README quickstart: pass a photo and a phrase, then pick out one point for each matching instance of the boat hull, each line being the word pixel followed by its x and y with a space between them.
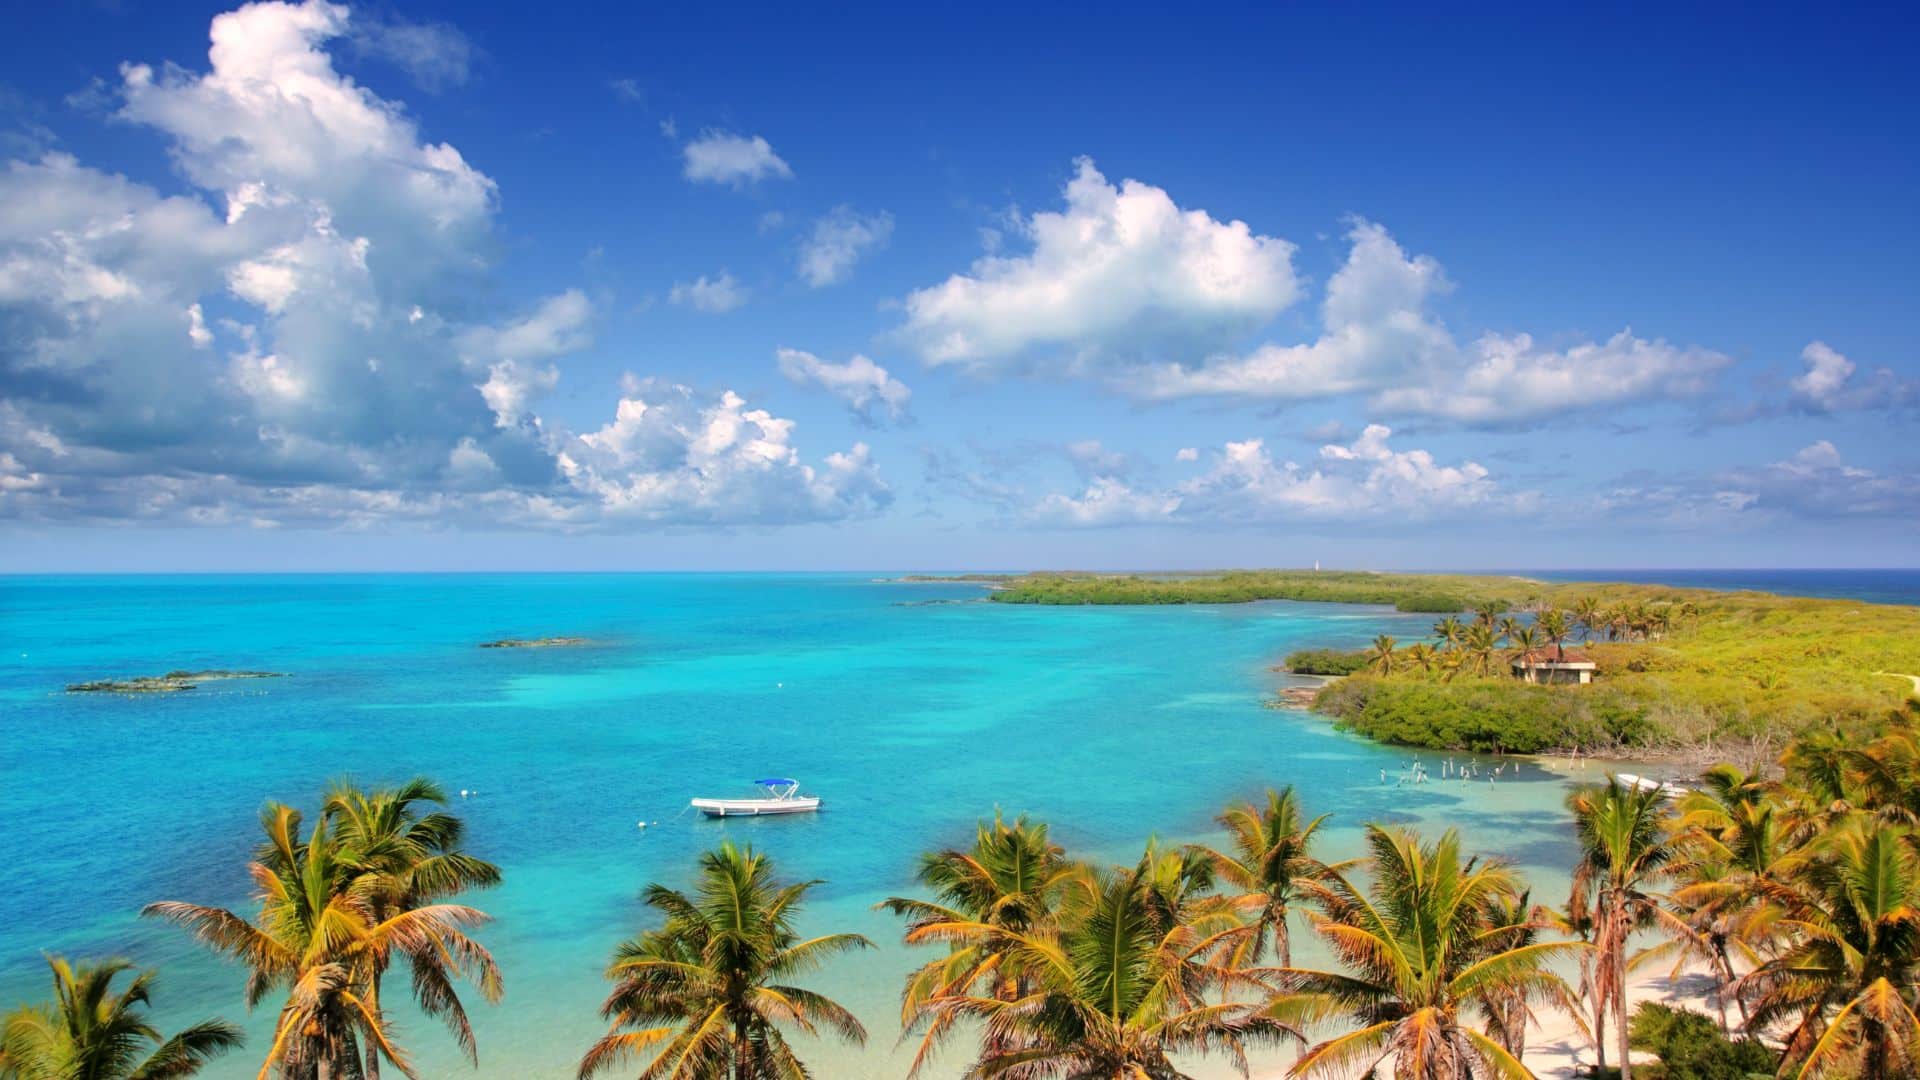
pixel 756 807
pixel 1641 783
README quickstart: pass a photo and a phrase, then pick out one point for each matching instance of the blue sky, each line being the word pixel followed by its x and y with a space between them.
pixel 459 287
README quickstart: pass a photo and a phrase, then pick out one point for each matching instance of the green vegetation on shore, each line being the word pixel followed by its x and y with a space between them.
pixel 1327 661
pixel 1677 669
pixel 1436 593
pixel 1042 964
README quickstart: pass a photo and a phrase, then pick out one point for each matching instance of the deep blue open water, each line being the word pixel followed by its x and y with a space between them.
pixel 1892 586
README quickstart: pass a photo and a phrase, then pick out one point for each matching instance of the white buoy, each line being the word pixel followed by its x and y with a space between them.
pixel 463 793
pixel 643 825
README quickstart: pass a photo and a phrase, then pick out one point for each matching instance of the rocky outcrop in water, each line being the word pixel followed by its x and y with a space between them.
pixel 535 643
pixel 1295 697
pixel 937 603
pixel 171 682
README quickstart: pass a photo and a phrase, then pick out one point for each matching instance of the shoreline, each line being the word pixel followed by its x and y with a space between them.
pixel 1682 675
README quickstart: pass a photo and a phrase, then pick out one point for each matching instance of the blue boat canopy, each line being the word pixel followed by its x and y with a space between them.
pixel 773 781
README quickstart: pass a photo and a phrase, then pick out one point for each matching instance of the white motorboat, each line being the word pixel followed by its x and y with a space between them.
pixel 1641 783
pixel 782 797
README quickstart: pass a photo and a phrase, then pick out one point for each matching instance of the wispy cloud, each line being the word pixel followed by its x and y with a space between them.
pixel 870 393
pixel 721 157
pixel 436 55
pixel 839 240
pixel 715 295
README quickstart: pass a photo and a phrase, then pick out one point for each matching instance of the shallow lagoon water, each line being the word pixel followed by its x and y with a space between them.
pixel 912 719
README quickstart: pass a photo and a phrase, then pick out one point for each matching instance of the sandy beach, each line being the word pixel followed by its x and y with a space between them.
pixel 1557 1048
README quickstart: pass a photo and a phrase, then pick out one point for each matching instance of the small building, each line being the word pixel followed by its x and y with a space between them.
pixel 1568 667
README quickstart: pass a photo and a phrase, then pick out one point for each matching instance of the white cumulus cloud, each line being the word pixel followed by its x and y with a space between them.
pixel 1126 287
pixel 1246 485
pixel 1120 272
pixel 1828 384
pixel 1379 339
pixel 669 457
pixel 296 341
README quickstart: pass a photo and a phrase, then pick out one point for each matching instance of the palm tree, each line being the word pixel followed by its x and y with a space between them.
pixel 1480 645
pixel 1846 985
pixel 1734 839
pixel 1421 945
pixel 1451 663
pixel 1508 1011
pixel 1554 627
pixel 1449 631
pixel 1592 617
pixel 1525 640
pixel 409 860
pixel 1624 852
pixel 89 1032
pixel 1825 789
pixel 1887 775
pixel 1270 865
pixel 1508 627
pixel 1487 613
pixel 1632 619
pixel 1121 983
pixel 1010 881
pixel 708 992
pixel 320 936
pixel 1423 656
pixel 1381 655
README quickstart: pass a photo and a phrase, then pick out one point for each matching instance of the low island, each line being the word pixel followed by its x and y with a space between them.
pixel 171 682
pixel 536 643
pixel 1527 666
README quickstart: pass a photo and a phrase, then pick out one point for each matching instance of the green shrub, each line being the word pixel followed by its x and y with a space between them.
pixel 1691 1047
pixel 1432 603
pixel 1326 662
pixel 1470 714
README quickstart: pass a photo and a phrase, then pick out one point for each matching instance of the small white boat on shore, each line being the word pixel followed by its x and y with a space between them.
pixel 1641 783
pixel 783 797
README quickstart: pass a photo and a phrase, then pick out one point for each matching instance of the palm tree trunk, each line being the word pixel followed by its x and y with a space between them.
pixel 1728 978
pixel 1620 1009
pixel 1599 1035
pixel 373 1048
pixel 742 1050
pixel 1282 941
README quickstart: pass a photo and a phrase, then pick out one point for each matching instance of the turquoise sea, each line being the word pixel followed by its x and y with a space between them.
pixel 914 709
